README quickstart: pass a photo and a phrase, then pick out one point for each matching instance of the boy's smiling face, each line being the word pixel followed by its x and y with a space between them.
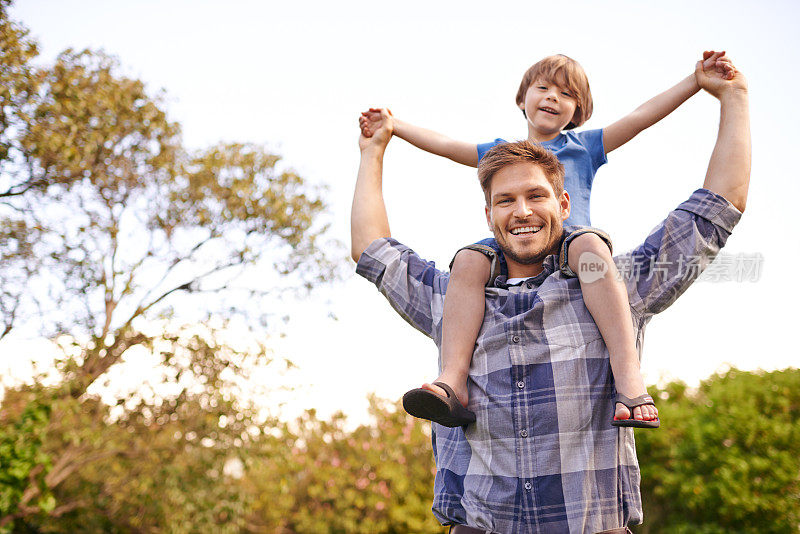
pixel 549 108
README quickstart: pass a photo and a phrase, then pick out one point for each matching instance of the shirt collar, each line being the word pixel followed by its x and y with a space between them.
pixel 548 267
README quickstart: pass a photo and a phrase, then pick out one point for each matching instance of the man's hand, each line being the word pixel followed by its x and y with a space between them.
pixel 377 127
pixel 718 76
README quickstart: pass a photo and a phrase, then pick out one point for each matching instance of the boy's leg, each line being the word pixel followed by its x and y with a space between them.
pixel 464 306
pixel 607 301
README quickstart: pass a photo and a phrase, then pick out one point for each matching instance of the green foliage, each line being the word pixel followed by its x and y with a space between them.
pixel 18 87
pixel 198 462
pixel 92 124
pixel 155 463
pixel 23 462
pixel 318 477
pixel 239 189
pixel 727 457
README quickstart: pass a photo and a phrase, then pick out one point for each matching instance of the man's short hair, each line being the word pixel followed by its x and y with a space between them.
pixel 566 72
pixel 505 154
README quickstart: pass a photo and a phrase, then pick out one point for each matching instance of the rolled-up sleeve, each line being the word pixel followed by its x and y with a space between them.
pixel 413 286
pixel 677 251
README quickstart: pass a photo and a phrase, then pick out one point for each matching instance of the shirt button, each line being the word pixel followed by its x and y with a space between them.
pixel 523 433
pixel 528 486
pixel 515 339
pixel 520 384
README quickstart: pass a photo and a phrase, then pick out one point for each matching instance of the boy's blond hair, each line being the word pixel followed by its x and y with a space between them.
pixel 567 73
pixel 505 154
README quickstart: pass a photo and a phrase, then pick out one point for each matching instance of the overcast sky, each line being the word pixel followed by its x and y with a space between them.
pixel 296 75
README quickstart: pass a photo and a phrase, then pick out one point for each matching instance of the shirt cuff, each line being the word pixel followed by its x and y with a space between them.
pixel 713 207
pixel 375 257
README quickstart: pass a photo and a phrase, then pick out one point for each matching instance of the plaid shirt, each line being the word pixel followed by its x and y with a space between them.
pixel 543 456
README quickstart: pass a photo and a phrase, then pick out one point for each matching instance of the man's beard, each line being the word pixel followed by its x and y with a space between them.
pixel 538 256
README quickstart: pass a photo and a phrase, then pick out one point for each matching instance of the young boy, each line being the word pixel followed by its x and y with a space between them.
pixel 554 95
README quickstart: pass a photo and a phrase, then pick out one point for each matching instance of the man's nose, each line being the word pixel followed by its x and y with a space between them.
pixel 522 210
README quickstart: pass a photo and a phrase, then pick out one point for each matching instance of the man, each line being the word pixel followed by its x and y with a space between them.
pixel 541 456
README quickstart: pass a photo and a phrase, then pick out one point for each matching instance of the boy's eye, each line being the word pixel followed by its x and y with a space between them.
pixel 567 94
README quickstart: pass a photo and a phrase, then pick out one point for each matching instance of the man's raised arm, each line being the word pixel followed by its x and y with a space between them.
pixel 729 169
pixel 678 250
pixel 368 219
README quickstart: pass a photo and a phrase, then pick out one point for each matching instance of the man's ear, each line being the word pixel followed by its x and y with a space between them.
pixel 489 218
pixel 565 204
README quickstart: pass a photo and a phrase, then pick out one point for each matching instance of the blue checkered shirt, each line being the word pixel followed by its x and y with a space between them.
pixel 542 456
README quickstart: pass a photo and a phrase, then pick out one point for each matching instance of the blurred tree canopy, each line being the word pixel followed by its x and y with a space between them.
pixel 727 458
pixel 114 237
pixel 151 463
pixel 319 477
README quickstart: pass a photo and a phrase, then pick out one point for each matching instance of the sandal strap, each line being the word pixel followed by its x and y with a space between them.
pixel 447 389
pixel 641 400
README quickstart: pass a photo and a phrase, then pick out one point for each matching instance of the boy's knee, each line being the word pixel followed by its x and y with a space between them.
pixel 589 242
pixel 472 265
pixel 589 257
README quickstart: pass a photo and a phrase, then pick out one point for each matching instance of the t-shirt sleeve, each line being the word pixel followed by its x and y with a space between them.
pixel 676 252
pixel 592 141
pixel 483 148
pixel 413 286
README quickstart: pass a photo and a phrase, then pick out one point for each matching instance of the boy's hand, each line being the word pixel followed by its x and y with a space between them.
pixel 376 128
pixel 717 74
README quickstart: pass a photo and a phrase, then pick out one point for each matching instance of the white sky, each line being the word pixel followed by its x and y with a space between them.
pixel 296 75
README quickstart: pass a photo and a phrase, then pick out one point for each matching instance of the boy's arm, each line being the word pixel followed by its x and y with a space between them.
pixel 652 111
pixel 649 113
pixel 368 218
pixel 428 140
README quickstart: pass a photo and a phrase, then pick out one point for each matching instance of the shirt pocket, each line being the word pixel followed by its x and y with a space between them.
pixel 565 320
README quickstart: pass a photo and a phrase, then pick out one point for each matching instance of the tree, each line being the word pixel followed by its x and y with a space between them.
pixel 155 463
pixel 23 461
pixel 18 88
pixel 113 236
pixel 316 476
pixel 727 458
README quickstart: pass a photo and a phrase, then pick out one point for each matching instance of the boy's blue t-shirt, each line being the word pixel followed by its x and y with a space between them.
pixel 581 154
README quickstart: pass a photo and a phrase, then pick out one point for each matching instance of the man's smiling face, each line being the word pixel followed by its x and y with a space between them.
pixel 526 217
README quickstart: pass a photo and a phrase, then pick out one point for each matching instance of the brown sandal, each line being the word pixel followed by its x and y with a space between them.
pixel 447 411
pixel 641 400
